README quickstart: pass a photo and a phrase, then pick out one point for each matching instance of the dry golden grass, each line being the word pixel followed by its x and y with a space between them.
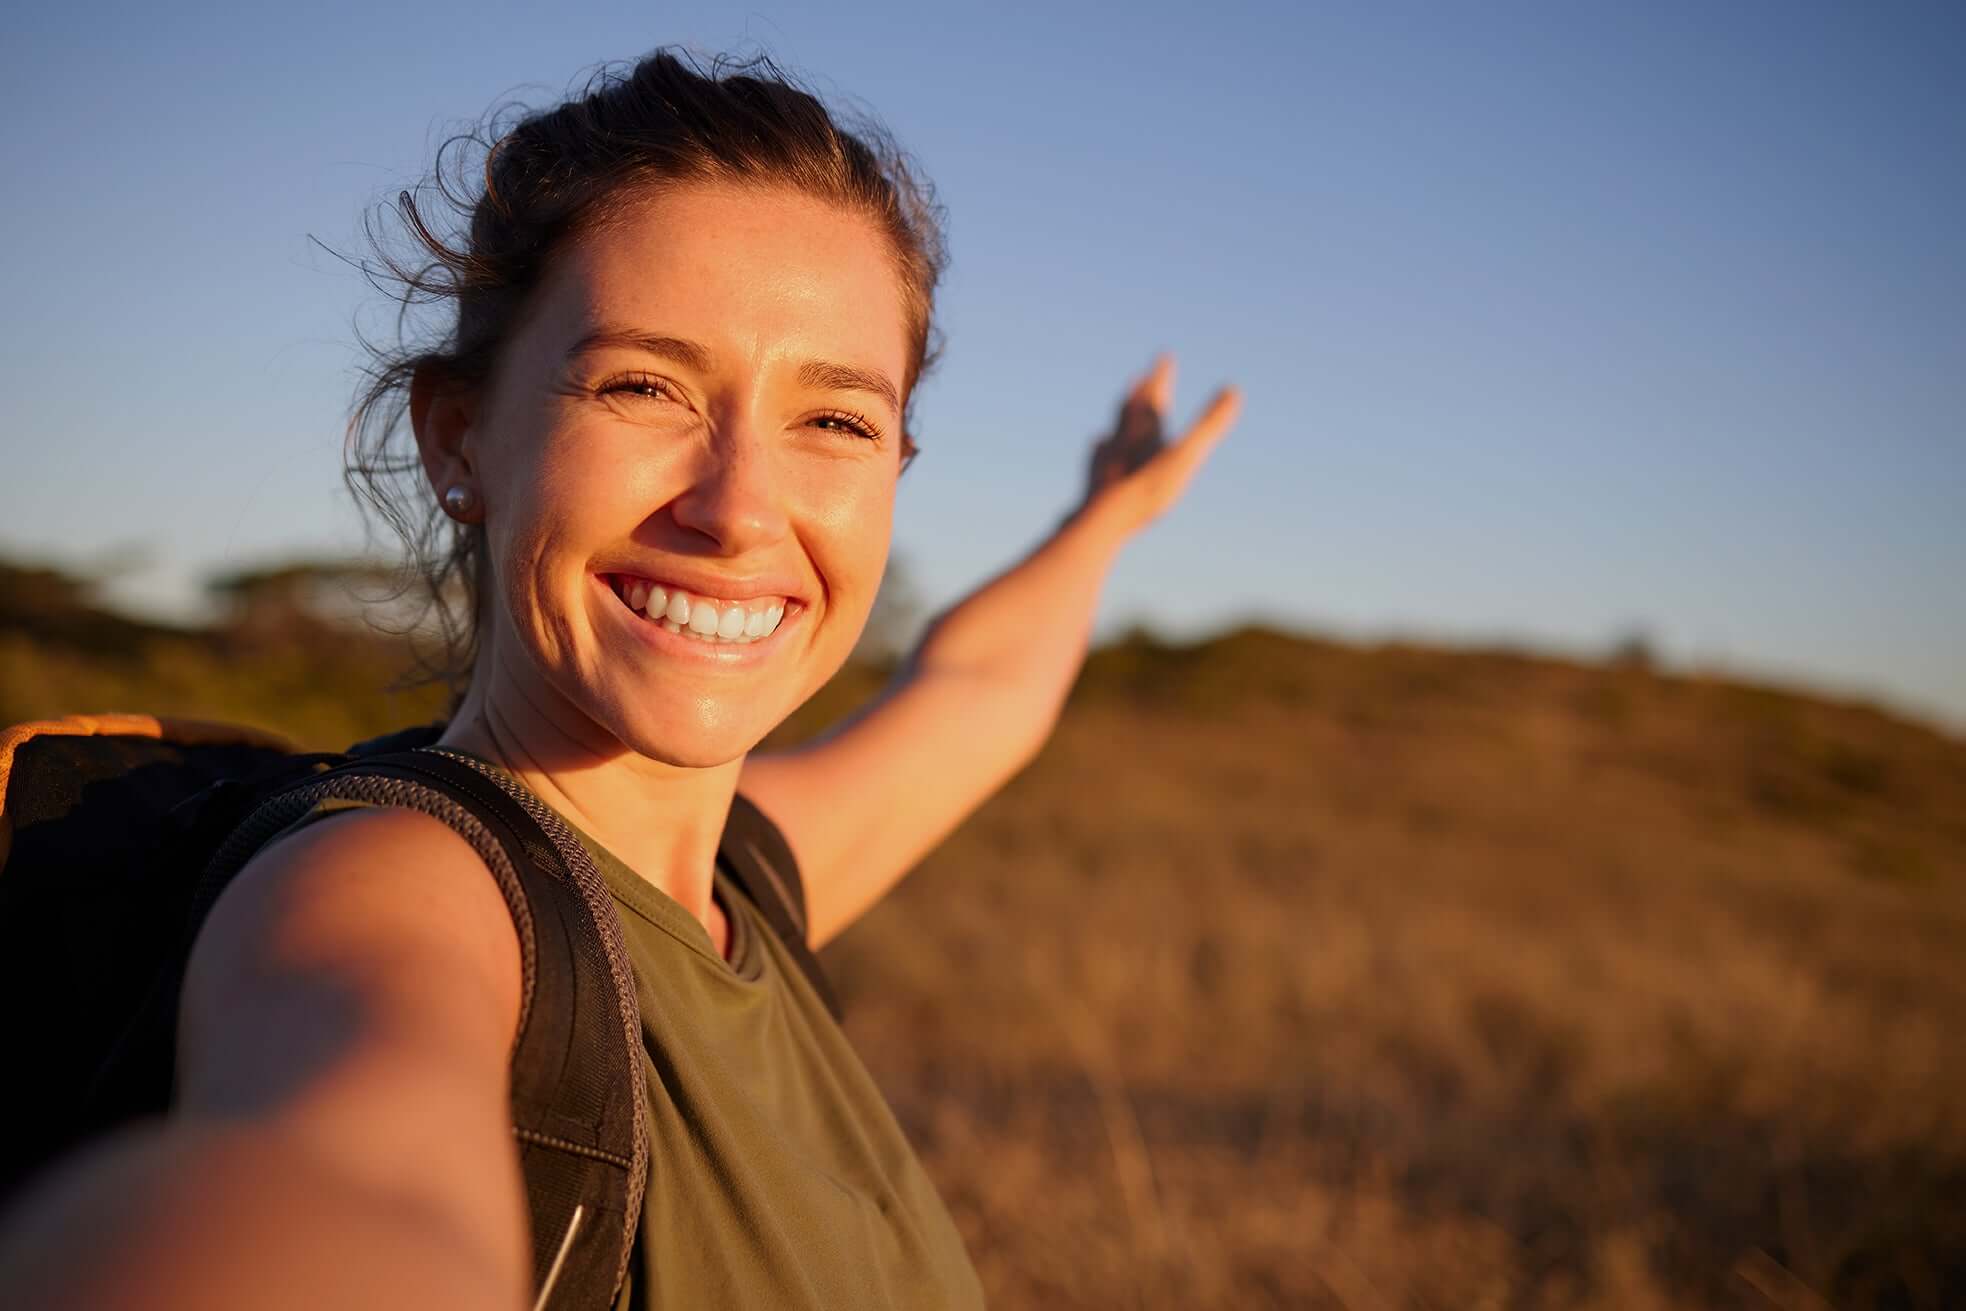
pixel 1300 975
pixel 1303 975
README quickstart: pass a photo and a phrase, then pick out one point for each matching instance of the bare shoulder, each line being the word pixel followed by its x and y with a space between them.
pixel 373 943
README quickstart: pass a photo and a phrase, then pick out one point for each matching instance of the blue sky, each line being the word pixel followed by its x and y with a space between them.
pixel 1553 321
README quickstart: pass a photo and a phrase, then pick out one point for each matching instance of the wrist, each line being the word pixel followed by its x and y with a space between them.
pixel 1096 527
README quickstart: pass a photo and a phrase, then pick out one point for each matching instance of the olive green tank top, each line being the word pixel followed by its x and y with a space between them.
pixel 778 1177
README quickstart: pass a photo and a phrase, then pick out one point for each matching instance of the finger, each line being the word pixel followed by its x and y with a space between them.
pixel 1157 388
pixel 1207 431
pixel 1142 421
pixel 1216 420
pixel 1153 390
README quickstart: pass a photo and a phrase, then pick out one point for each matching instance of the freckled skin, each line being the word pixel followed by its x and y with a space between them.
pixel 734 469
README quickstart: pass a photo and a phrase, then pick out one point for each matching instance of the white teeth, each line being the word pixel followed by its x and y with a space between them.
pixel 706 620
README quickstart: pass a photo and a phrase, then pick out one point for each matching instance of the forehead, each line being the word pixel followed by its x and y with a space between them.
pixel 752 273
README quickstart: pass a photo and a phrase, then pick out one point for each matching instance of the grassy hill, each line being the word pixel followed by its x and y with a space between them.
pixel 1303 974
pixel 1296 973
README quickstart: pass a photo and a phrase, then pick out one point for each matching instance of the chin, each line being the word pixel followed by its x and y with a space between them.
pixel 701 734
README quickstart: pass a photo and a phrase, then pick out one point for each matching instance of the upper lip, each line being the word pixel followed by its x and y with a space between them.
pixel 707 585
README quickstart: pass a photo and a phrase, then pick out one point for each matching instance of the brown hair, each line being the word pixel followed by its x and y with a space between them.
pixel 664 120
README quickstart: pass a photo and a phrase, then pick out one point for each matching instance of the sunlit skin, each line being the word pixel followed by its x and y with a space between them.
pixel 704 388
pixel 579 463
pixel 601 447
pixel 591 456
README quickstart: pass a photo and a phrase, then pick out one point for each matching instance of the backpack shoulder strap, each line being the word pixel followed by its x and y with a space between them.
pixel 753 851
pixel 757 855
pixel 576 1076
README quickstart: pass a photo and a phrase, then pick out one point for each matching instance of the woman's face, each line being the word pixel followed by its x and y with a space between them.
pixel 702 399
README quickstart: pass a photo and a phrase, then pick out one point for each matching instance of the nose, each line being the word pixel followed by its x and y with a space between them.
pixel 733 498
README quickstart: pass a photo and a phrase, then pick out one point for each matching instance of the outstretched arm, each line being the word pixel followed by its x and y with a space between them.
pixel 342 1135
pixel 980 694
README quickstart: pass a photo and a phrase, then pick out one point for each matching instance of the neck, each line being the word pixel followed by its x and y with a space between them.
pixel 664 820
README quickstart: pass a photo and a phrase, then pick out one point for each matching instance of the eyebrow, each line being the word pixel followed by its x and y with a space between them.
pixel 693 355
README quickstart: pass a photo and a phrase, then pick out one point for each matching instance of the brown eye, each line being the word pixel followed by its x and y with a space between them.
pixel 857 424
pixel 644 385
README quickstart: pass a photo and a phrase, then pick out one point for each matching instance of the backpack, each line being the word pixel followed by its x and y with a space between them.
pixel 118 833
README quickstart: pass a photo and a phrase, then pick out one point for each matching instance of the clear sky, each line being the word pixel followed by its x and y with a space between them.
pixel 1553 321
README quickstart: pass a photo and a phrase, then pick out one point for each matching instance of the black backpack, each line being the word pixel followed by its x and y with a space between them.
pixel 119 832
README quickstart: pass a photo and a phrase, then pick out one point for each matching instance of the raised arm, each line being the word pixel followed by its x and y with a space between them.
pixel 980 694
pixel 341 1137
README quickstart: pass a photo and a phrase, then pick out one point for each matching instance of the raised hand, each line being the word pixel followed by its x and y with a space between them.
pixel 1135 474
pixel 979 695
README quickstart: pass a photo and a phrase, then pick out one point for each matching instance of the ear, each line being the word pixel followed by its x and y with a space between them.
pixel 442 412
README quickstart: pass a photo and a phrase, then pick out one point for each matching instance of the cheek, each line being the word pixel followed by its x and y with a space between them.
pixel 545 500
pixel 574 484
pixel 857 523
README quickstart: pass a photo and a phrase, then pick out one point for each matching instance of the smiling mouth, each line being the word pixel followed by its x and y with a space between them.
pixel 700 618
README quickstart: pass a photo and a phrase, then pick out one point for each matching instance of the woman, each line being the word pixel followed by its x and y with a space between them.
pixel 667 424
